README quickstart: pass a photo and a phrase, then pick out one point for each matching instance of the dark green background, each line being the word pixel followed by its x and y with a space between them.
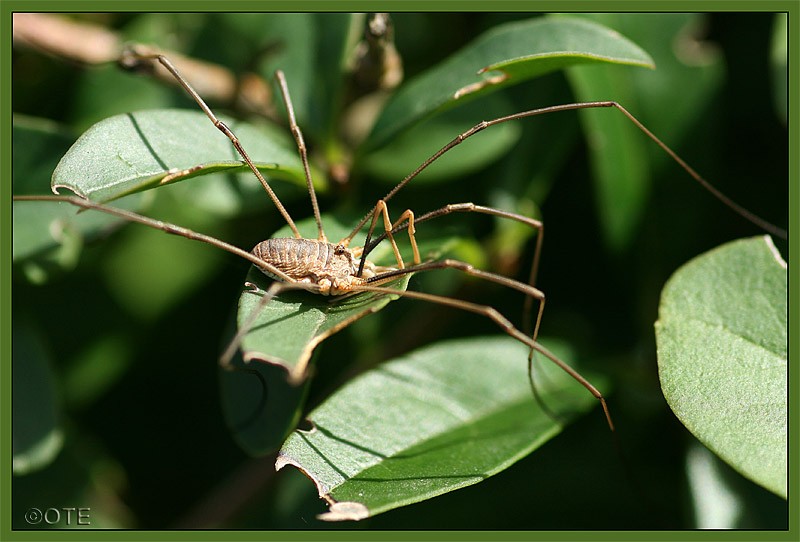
pixel 149 449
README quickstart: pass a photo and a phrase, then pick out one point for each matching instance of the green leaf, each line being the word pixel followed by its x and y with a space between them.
pixel 284 41
pixel 411 148
pixel 96 369
pixel 622 158
pixel 443 417
pixel 37 436
pixel 279 341
pixel 722 355
pixel 261 407
pixel 336 37
pixel 279 344
pixel 287 330
pixel 136 151
pixel 37 146
pixel 513 53
pixel 48 236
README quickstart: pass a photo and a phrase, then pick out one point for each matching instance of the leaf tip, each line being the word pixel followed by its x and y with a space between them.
pixel 775 252
pixel 337 511
pixel 55 187
pixel 345 511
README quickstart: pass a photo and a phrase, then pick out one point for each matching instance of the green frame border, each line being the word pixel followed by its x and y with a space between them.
pixel 10 6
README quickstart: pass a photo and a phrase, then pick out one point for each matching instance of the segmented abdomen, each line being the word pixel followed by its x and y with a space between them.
pixel 301 258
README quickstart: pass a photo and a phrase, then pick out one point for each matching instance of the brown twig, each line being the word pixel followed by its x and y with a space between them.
pixel 93 45
pixel 66 38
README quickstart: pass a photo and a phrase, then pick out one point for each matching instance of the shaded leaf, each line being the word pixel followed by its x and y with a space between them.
pixel 722 355
pixel 96 369
pixel 37 436
pixel 83 472
pixel 47 236
pixel 411 148
pixel 512 53
pixel 261 407
pixel 284 41
pixel 337 34
pixel 441 418
pixel 622 158
pixel 37 146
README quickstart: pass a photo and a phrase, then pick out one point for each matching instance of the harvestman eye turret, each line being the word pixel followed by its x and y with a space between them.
pixel 336 269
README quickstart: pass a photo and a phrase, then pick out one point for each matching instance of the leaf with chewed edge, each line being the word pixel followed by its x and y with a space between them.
pixel 278 342
pixel 435 420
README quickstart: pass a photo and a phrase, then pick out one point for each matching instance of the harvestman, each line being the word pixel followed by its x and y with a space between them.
pixel 335 269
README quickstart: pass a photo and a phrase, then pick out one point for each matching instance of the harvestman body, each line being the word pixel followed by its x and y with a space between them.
pixel 335 269
pixel 332 267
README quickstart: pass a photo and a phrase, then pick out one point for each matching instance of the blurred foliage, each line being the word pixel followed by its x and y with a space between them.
pixel 133 333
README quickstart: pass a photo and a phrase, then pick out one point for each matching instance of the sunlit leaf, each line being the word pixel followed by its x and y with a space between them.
pixel 722 356
pixel 136 151
pixel 438 419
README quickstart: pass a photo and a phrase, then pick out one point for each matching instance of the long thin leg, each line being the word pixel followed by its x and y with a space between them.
pixel 301 147
pixel 506 326
pixel 529 291
pixel 528 303
pixel 535 389
pixel 758 221
pixel 484 310
pixel 131 59
pixel 164 226
pixel 469 269
pixel 467 207
pixel 274 289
